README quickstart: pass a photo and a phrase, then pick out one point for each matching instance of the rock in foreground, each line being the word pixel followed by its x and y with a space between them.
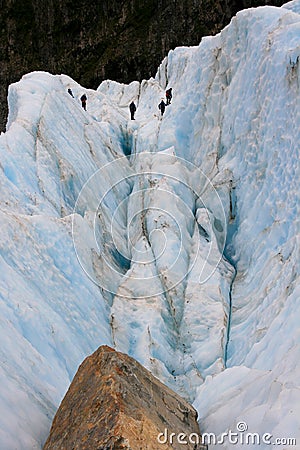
pixel 115 403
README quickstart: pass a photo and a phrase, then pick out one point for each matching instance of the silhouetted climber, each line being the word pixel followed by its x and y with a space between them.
pixel 132 109
pixel 70 92
pixel 162 106
pixel 83 99
pixel 169 96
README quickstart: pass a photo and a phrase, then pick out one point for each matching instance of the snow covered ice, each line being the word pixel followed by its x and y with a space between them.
pixel 176 240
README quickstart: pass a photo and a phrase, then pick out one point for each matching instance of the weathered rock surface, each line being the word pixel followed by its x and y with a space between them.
pixel 92 41
pixel 115 403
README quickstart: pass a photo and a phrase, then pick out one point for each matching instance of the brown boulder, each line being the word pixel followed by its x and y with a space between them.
pixel 115 403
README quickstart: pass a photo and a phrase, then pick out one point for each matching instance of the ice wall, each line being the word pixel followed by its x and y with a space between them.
pixel 241 108
pixel 175 239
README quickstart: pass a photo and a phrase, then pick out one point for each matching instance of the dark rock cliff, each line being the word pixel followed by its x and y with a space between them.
pixel 91 40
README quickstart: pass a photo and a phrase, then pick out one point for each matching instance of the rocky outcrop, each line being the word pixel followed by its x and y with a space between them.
pixel 115 403
pixel 92 41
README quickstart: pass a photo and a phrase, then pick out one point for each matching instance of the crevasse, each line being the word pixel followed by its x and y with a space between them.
pixel 174 240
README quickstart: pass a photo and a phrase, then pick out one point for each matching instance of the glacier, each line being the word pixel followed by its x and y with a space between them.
pixel 174 239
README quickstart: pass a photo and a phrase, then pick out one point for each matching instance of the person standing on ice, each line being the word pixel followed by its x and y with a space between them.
pixel 169 96
pixel 83 99
pixel 70 92
pixel 162 107
pixel 132 109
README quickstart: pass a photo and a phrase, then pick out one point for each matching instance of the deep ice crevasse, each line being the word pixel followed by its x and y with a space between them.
pixel 234 115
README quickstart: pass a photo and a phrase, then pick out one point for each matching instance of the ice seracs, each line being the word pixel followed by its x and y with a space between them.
pixel 186 231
